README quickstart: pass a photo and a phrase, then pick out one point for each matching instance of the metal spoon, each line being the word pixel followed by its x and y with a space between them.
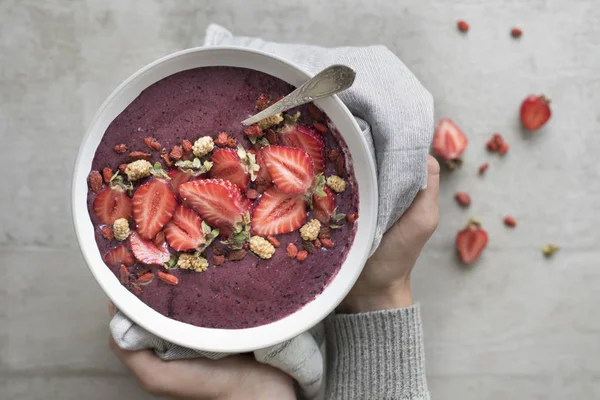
pixel 331 80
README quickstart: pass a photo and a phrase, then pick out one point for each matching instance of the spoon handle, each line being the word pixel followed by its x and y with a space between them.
pixel 331 80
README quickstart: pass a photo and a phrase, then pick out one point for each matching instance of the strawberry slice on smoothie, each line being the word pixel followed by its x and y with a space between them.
pixel 184 231
pixel 153 206
pixel 278 213
pixel 290 168
pixel 307 139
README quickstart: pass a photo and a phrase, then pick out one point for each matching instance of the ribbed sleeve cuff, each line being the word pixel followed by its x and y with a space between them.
pixel 376 355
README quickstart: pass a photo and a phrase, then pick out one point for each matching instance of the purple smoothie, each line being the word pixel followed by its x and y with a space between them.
pixel 237 294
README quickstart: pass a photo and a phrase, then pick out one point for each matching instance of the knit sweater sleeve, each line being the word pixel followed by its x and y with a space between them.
pixel 376 355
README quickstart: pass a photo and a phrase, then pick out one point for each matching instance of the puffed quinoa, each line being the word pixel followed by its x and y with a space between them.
pixel 121 229
pixel 271 121
pixel 336 183
pixel 310 230
pixel 138 169
pixel 203 146
pixel 261 247
pixel 190 261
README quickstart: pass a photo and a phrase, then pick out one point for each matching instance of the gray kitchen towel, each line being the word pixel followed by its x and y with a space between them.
pixel 395 113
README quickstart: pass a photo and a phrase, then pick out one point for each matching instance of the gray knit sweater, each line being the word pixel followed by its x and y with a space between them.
pixel 376 355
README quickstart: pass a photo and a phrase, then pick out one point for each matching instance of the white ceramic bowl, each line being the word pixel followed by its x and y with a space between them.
pixel 225 340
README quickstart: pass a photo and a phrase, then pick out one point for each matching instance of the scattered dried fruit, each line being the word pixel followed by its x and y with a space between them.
pixel 449 142
pixel 236 255
pixel 351 218
pixel 327 243
pixel 252 194
pixel 187 146
pixel 145 278
pixel 261 247
pixel 535 112
pixel 271 136
pixel 136 289
pixel 124 274
pixel 167 278
pixel 320 127
pixel 340 166
pixel 504 149
pixel 325 233
pixel 498 139
pixel 510 221
pixel 219 259
pixel 122 168
pixel 121 229
pixel 263 102
pixel 549 249
pixel 291 250
pixel 107 174
pixel 120 148
pixel 107 233
pixel 176 153
pixel 194 262
pixel 314 111
pixel 463 199
pixel 462 26
pixel 217 251
pixel 159 239
pixel 139 155
pixel 301 256
pixel 166 159
pixel 253 131
pixel 221 140
pixel 336 183
pixel 471 241
pixel 202 146
pixel 333 154
pixel 317 243
pixel 483 167
pixel 516 33
pixel 274 241
pixel 152 143
pixel 491 146
pixel 95 181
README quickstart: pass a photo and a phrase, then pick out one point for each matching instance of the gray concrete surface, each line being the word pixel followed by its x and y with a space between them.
pixel 514 326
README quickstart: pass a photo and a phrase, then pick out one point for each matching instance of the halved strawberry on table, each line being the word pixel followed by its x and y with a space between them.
pixel 278 213
pixel 307 139
pixel 153 206
pixel 449 142
pixel 227 165
pixel 119 255
pixel 147 252
pixel 218 202
pixel 323 206
pixel 111 204
pixel 290 168
pixel 184 231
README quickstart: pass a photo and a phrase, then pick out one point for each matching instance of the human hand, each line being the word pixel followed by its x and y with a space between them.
pixel 385 280
pixel 230 378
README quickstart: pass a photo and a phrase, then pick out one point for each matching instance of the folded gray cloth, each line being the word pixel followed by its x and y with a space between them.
pixel 395 113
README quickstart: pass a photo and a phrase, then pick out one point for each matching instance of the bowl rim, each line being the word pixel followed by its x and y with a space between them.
pixel 253 338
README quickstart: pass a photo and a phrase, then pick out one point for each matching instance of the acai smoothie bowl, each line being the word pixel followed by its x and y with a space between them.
pixel 211 234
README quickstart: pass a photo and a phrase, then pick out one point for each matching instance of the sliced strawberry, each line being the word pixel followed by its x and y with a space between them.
pixel 228 166
pixel 307 139
pixel 178 177
pixel 289 167
pixel 535 112
pixel 278 213
pixel 220 203
pixel 449 142
pixel 470 242
pixel 119 255
pixel 112 204
pixel 323 206
pixel 147 252
pixel 263 179
pixel 184 231
pixel 153 206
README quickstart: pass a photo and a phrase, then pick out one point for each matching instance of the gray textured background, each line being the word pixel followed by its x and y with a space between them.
pixel 514 326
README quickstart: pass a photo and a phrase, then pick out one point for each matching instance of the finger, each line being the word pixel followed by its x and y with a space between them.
pixel 433 180
pixel 111 309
